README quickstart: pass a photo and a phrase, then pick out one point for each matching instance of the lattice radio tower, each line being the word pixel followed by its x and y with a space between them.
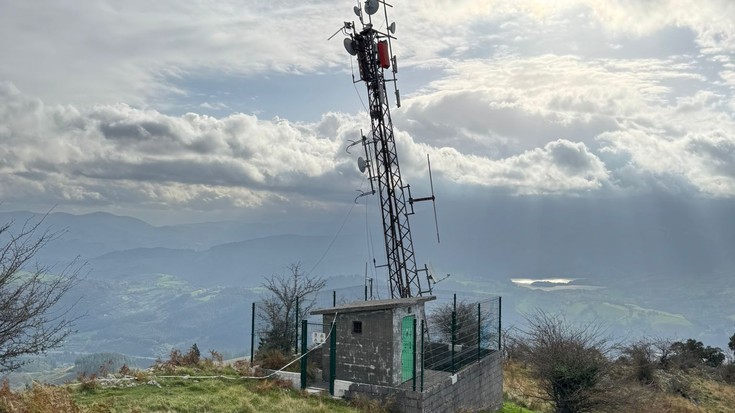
pixel 374 52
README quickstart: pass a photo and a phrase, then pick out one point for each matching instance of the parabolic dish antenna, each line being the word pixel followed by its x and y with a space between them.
pixel 350 46
pixel 356 10
pixel 371 6
pixel 392 28
pixel 361 164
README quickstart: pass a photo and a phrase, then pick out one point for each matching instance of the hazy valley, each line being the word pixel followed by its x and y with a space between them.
pixel 150 288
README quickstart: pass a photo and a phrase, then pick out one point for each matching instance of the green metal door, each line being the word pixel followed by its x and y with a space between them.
pixel 407 346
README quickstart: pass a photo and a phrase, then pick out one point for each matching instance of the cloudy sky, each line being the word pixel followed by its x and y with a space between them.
pixel 199 110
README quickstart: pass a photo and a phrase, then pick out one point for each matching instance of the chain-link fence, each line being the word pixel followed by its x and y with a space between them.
pixel 452 333
pixel 458 332
pixel 315 346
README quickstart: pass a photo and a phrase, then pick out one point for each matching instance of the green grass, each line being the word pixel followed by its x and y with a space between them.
pixel 509 407
pixel 205 396
pixel 220 396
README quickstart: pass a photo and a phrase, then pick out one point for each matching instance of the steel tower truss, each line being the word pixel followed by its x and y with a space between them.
pixel 381 161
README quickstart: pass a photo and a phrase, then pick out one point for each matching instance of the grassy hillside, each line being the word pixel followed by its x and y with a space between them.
pixel 187 396
pixel 185 390
pixel 174 394
pixel 209 395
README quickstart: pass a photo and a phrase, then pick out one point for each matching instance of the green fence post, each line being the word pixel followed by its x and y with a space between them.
pixel 296 323
pixel 332 356
pixel 413 384
pixel 479 330
pixel 334 298
pixel 252 335
pixel 303 354
pixel 422 356
pixel 500 321
pixel 454 336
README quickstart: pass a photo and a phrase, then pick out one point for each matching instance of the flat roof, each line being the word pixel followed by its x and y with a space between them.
pixel 373 305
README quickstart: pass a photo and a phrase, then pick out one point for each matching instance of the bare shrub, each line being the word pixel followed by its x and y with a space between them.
pixel 571 364
pixel 272 359
pixel 216 356
pixel 726 373
pixel 87 382
pixel 177 359
pixel 641 358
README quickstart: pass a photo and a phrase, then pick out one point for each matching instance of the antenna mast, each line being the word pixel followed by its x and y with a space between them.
pixel 374 53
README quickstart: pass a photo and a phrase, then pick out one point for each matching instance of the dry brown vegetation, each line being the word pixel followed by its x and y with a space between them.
pixel 38 399
pixel 556 366
pixel 672 392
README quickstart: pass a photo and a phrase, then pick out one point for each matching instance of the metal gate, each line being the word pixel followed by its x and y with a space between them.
pixel 407 348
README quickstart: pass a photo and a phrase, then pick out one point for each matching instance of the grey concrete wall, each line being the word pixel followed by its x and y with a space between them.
pixel 474 388
pixel 367 357
pixel 478 387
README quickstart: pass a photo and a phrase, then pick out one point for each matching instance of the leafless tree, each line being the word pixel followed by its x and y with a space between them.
pixel 465 331
pixel 31 320
pixel 279 310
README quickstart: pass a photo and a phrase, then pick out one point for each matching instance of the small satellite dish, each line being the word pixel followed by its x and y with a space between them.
pixel 392 28
pixel 350 46
pixel 356 9
pixel 371 6
pixel 361 164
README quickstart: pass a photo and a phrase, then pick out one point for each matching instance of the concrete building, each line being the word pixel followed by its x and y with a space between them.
pixel 376 339
pixel 378 355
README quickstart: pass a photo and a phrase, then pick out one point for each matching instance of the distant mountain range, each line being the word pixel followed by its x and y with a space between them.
pixel 665 266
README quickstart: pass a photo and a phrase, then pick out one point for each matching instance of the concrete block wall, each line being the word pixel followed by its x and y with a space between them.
pixel 367 357
pixel 474 388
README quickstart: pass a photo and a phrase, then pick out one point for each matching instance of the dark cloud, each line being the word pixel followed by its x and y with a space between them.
pixel 718 154
pixel 574 158
pixel 127 130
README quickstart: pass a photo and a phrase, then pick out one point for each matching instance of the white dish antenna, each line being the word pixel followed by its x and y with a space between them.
pixel 392 28
pixel 432 277
pixel 371 6
pixel 350 46
pixel 361 164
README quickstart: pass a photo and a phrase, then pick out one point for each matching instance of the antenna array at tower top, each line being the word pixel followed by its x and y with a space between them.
pixel 374 53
